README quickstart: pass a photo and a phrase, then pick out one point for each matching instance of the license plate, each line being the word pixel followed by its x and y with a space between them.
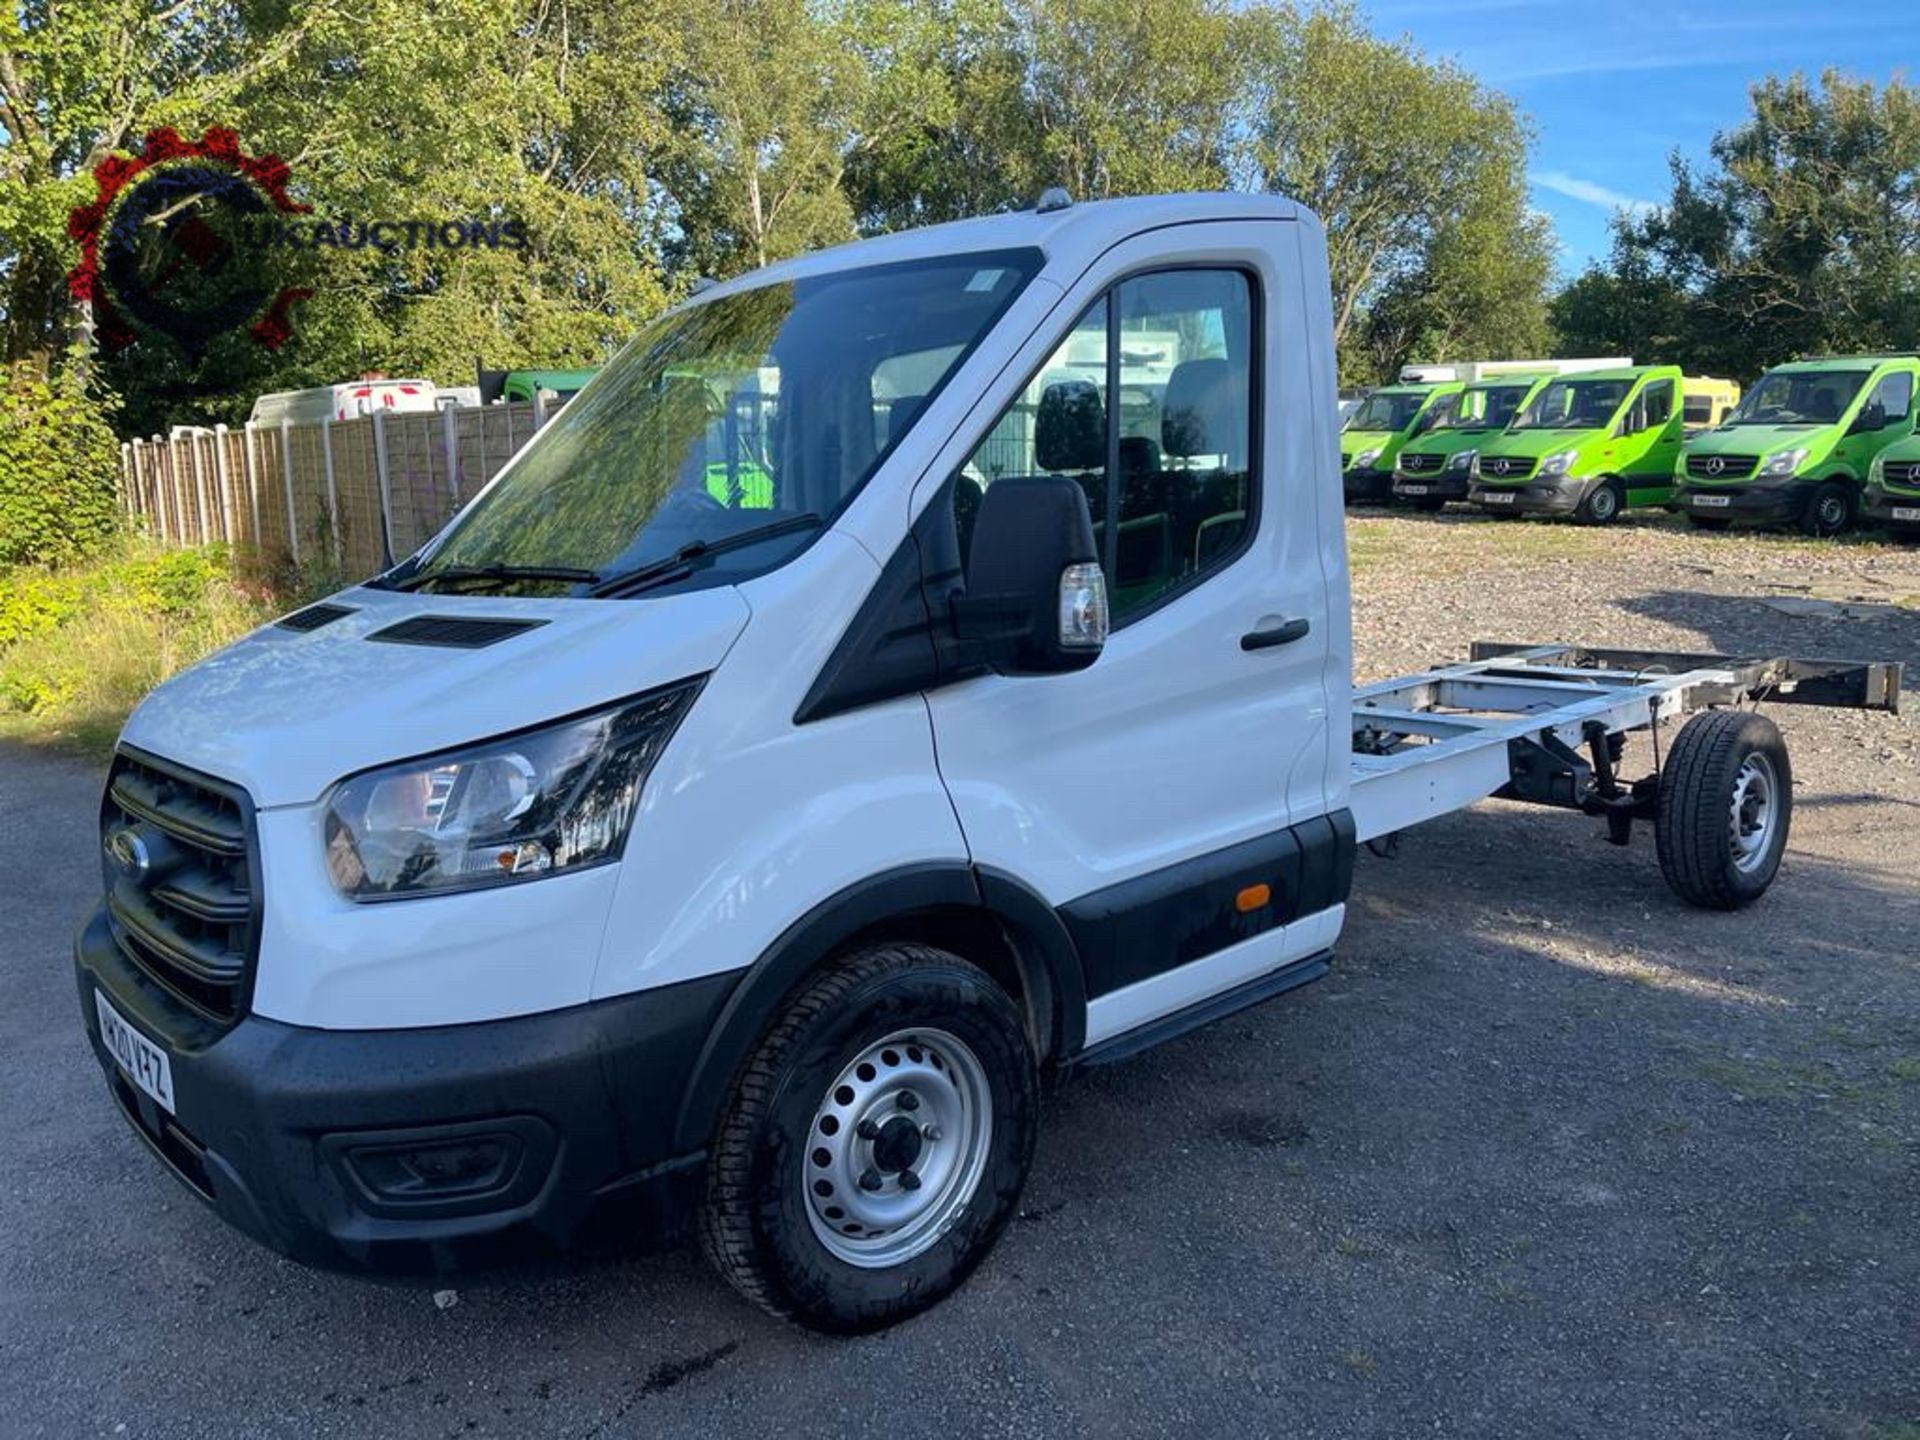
pixel 1498 497
pixel 1713 502
pixel 1413 489
pixel 1906 512
pixel 142 1061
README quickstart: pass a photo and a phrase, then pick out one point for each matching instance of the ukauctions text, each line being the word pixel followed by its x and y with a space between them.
pixel 384 235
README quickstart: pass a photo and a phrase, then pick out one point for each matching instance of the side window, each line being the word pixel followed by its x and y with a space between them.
pixel 1656 404
pixel 1894 394
pixel 1698 411
pixel 1147 404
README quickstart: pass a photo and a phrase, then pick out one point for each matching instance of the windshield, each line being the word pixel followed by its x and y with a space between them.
pixel 768 405
pixel 1574 405
pixel 1387 410
pixel 1799 397
pixel 1488 407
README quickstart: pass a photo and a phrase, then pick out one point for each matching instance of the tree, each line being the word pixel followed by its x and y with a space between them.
pixel 1417 171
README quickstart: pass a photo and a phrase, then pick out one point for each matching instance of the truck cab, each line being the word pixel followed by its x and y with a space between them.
pixel 1373 434
pixel 747 855
pixel 1589 445
pixel 1800 446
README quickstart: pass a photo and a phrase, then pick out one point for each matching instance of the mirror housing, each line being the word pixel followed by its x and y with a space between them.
pixel 1872 416
pixel 1035 601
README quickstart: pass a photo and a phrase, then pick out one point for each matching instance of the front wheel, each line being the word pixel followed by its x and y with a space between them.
pixel 1602 504
pixel 875 1144
pixel 1726 803
pixel 1829 509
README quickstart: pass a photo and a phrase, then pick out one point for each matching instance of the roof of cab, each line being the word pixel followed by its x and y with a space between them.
pixel 1841 362
pixel 1075 233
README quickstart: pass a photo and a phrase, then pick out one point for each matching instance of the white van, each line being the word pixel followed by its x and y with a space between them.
pixel 646 849
pixel 347 401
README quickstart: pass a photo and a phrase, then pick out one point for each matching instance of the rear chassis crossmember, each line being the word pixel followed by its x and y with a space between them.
pixel 1514 721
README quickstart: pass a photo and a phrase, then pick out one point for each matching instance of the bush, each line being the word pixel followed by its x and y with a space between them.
pixel 79 647
pixel 58 461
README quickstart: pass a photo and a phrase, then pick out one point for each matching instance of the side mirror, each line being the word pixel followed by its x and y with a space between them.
pixel 1872 416
pixel 1035 601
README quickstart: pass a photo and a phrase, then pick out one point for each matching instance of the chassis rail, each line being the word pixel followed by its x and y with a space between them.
pixel 1513 721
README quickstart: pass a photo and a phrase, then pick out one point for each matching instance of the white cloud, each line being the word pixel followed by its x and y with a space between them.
pixel 1589 191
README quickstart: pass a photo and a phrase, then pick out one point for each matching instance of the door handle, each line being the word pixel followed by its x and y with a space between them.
pixel 1284 633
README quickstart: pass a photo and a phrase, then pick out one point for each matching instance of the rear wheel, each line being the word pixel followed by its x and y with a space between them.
pixel 875 1144
pixel 1829 509
pixel 1726 804
pixel 1708 522
pixel 1602 504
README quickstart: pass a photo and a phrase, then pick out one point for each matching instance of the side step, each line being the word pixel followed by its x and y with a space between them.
pixel 1262 987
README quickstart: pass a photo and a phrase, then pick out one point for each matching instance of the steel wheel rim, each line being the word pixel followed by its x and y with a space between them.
pixel 913 1112
pixel 1754 813
pixel 1833 512
pixel 1604 504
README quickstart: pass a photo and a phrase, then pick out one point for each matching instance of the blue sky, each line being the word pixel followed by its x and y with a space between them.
pixel 1613 87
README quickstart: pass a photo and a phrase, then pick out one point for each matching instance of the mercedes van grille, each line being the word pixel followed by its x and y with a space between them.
pixel 1721 467
pixel 1419 464
pixel 1902 472
pixel 180 861
pixel 1507 467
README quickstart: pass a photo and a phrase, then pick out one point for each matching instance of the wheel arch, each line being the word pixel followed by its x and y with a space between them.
pixel 984 915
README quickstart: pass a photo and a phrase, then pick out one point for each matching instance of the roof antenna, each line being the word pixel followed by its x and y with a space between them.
pixel 1053 198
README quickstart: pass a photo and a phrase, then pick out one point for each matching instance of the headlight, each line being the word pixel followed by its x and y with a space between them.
pixel 1783 463
pixel 1559 462
pixel 559 798
pixel 1464 460
pixel 1365 458
pixel 1877 471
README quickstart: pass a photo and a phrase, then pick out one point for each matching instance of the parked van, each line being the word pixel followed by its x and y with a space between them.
pixel 1436 467
pixel 1799 447
pixel 1893 489
pixel 1708 403
pixel 348 401
pixel 1469 372
pixel 556 387
pixel 1588 446
pixel 1370 440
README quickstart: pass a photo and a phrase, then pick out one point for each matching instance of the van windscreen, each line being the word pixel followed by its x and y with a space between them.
pixel 1574 405
pixel 768 405
pixel 1799 397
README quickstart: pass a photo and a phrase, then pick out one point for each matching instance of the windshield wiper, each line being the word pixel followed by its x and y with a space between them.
pixel 467 574
pixel 628 582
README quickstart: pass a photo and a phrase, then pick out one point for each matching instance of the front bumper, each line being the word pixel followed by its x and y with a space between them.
pixel 1559 495
pixel 1431 485
pixel 1759 501
pixel 295 1136
pixel 1367 485
pixel 1878 506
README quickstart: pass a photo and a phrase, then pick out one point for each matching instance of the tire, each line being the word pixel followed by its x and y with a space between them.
pixel 1708 522
pixel 889 1032
pixel 1725 807
pixel 1602 504
pixel 1830 509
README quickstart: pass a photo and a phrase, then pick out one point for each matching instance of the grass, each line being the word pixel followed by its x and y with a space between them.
pixel 80 646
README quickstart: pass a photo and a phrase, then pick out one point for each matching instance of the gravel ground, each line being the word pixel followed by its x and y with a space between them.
pixel 1546 1155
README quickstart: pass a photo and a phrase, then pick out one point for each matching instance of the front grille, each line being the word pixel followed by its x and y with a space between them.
pixel 189 918
pixel 1416 464
pixel 1721 467
pixel 1904 473
pixel 1507 467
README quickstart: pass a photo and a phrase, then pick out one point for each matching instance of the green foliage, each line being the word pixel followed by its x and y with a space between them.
pixel 80 646
pixel 58 460
pixel 1802 237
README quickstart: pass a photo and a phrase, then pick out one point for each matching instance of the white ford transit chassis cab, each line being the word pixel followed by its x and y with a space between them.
pixel 749 848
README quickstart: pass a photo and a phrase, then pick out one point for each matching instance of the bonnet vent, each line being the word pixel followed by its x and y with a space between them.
pixel 453 632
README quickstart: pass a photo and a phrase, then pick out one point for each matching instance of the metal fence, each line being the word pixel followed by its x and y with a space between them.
pixel 350 494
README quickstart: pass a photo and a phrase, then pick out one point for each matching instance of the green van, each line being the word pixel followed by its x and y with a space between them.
pixel 1893 489
pixel 1588 445
pixel 1436 467
pixel 1800 445
pixel 1370 441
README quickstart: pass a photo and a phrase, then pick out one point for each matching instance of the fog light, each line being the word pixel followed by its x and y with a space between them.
pixel 468 1166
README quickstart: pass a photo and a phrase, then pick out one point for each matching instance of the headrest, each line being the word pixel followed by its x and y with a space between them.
pixel 900 415
pixel 1139 455
pixel 1200 415
pixel 1070 432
